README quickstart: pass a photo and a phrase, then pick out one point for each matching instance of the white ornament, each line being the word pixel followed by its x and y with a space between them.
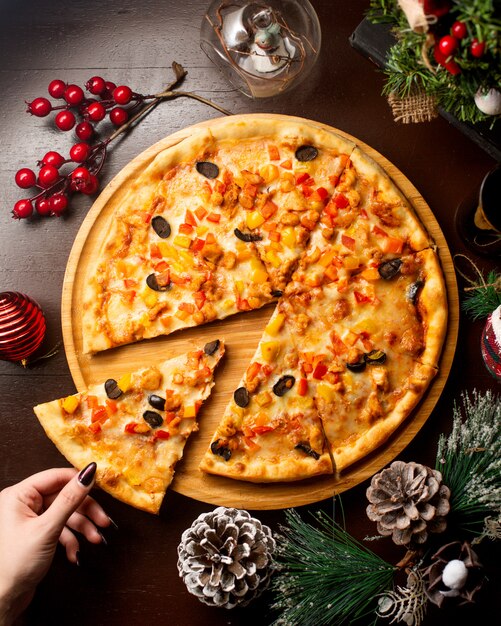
pixel 489 102
pixel 455 574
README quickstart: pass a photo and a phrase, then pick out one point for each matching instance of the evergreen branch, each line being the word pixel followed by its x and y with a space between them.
pixel 470 460
pixel 483 298
pixel 325 575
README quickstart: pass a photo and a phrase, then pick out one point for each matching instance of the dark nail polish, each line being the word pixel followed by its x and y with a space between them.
pixel 86 476
pixel 103 538
pixel 78 558
pixel 115 526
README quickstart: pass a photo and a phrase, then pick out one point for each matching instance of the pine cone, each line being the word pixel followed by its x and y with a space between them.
pixel 225 557
pixel 454 573
pixel 408 500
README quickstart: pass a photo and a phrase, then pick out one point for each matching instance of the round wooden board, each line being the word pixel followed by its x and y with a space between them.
pixel 241 333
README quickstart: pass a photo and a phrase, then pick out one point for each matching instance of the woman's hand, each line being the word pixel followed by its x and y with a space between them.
pixel 34 515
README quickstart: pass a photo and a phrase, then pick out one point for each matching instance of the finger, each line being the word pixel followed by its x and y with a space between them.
pixel 70 543
pixel 85 527
pixel 49 481
pixel 90 508
pixel 71 496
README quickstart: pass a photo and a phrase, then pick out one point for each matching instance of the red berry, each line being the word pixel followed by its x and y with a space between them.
pixel 96 111
pixel 26 178
pixel 91 187
pixel 122 94
pixel 84 131
pixel 448 45
pixel 53 158
pixel 22 209
pixel 47 176
pixel 118 116
pixel 57 88
pixel 80 177
pixel 42 205
pixel 108 92
pixel 80 152
pixel 58 203
pixel 452 67
pixel 459 30
pixel 73 95
pixel 477 48
pixel 40 107
pixel 65 120
pixel 96 85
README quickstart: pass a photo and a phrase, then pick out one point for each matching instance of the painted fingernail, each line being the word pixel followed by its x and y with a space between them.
pixel 77 556
pixel 103 538
pixel 115 526
pixel 86 476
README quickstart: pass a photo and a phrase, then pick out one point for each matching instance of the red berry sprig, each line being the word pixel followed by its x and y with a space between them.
pixel 57 177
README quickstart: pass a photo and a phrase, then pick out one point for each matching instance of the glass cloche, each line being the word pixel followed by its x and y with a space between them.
pixel 264 48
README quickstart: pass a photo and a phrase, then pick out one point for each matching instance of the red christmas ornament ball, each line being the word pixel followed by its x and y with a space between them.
pixel 22 326
pixel 491 344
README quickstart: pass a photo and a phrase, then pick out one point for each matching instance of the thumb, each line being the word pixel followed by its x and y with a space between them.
pixel 70 498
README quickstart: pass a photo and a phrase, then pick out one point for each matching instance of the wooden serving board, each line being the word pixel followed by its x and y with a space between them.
pixel 241 333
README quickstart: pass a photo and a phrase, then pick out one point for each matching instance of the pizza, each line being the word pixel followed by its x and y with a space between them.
pixel 249 212
pixel 135 427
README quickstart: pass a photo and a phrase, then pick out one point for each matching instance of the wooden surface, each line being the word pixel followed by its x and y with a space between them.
pixel 241 334
pixel 134 580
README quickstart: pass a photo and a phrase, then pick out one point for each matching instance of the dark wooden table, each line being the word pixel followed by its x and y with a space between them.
pixel 134 579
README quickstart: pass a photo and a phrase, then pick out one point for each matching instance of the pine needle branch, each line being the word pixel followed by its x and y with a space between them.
pixel 326 576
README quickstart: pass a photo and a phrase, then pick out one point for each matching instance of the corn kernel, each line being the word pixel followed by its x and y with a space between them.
pixel 190 411
pixel 326 391
pixel 270 350
pixel 275 325
pixel 254 219
pixel 288 237
pixel 272 258
pixel 182 241
pixel 71 403
pixel 125 382
pixel 269 172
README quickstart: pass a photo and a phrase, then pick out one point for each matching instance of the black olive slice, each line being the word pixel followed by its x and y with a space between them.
pixel 276 293
pixel 212 347
pixel 283 385
pixel 112 389
pixel 389 269
pixel 241 397
pixel 157 402
pixel 359 366
pixel 153 419
pixel 307 449
pixel 375 357
pixel 413 289
pixel 161 226
pixel 207 169
pixel 247 236
pixel 306 153
pixel 153 283
pixel 215 448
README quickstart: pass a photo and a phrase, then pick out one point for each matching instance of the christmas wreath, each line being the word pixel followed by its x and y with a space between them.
pixel 447 54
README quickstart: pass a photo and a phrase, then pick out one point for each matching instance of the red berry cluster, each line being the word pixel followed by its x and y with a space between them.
pixel 82 113
pixel 448 46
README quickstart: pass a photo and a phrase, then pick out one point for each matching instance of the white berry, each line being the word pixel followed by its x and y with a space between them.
pixel 455 574
pixel 489 102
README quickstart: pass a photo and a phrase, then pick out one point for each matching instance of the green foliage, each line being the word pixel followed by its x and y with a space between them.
pixel 470 460
pixel 484 297
pixel 412 67
pixel 326 576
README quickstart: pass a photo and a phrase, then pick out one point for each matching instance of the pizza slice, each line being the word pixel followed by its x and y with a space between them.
pixel 136 427
pixel 369 349
pixel 270 430
pixel 366 221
